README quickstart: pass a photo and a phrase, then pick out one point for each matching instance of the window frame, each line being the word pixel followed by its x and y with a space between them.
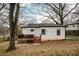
pixel 58 32
pixel 43 32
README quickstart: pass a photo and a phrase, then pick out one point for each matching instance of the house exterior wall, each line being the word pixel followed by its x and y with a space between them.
pixel 77 26
pixel 27 31
pixel 51 33
pixel 72 30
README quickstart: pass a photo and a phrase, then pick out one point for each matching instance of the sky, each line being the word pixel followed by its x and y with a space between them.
pixel 30 12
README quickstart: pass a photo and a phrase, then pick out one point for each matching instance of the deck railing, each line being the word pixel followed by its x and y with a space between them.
pixel 25 36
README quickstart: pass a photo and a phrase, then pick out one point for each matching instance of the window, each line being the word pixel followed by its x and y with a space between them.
pixel 58 32
pixel 32 30
pixel 43 31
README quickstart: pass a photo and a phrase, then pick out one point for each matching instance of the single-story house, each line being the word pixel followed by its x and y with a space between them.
pixel 73 28
pixel 44 31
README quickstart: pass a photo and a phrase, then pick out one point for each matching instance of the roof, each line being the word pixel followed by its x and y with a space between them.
pixel 42 25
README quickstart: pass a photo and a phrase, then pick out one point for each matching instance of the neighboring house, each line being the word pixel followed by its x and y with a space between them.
pixel 73 28
pixel 45 30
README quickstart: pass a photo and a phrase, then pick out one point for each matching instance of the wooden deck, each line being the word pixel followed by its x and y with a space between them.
pixel 30 38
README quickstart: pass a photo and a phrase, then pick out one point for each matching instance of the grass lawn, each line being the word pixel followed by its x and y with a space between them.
pixel 49 48
pixel 72 37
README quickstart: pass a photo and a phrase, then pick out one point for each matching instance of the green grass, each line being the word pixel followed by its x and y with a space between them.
pixel 72 37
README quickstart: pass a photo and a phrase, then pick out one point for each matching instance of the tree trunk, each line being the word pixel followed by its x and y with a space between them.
pixel 62 22
pixel 11 40
pixel 13 24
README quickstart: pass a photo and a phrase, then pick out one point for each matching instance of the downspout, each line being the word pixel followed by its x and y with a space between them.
pixel 77 32
pixel 65 32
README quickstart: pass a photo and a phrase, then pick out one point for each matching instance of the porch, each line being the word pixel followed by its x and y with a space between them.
pixel 29 39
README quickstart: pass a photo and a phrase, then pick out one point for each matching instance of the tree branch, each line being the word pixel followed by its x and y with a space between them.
pixel 54 9
pixel 71 10
pixel 3 6
pixel 51 17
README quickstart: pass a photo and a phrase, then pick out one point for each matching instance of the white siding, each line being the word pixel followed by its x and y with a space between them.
pixel 51 33
pixel 27 30
pixel 78 26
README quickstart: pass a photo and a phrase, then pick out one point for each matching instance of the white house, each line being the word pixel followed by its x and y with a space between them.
pixel 73 28
pixel 47 31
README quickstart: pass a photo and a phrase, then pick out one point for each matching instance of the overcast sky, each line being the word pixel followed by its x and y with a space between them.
pixel 31 11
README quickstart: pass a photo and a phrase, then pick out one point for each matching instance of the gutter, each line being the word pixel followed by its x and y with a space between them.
pixel 65 33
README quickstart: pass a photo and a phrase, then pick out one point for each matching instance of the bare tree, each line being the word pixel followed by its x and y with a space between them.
pixel 13 19
pixel 59 10
pixel 3 17
pixel 3 20
pixel 76 13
